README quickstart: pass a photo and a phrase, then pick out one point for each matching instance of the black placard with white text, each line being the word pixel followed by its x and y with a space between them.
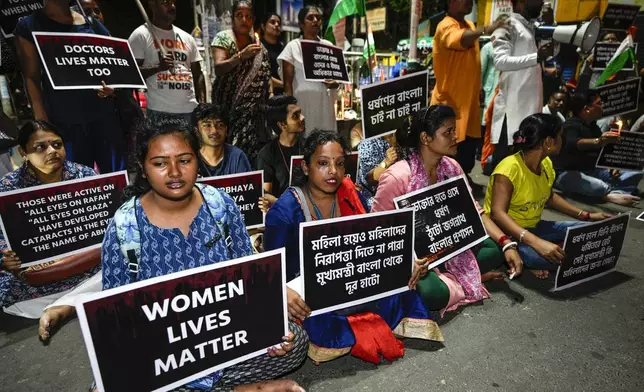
pixel 11 11
pixel 162 333
pixel 84 61
pixel 447 220
pixel 356 259
pixel 323 62
pixel 592 250
pixel 245 189
pixel 603 52
pixel 619 98
pixel 385 105
pixel 49 222
pixel 619 16
pixel 626 155
pixel 350 166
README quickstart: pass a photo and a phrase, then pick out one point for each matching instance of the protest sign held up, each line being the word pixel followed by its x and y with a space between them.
pixel 352 260
pixel 162 333
pixel 447 220
pixel 48 222
pixel 627 154
pixel 323 62
pixel 592 251
pixel 385 105
pixel 619 98
pixel 11 11
pixel 350 166
pixel 84 61
pixel 619 16
pixel 603 52
pixel 245 189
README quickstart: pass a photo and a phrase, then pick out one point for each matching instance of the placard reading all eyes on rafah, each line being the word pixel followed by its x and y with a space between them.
pixel 48 222
pixel 351 163
pixel 619 98
pixel 592 250
pixel 323 62
pixel 386 105
pixel 356 259
pixel 11 11
pixel 626 155
pixel 619 16
pixel 447 220
pixel 245 189
pixel 162 333
pixel 84 61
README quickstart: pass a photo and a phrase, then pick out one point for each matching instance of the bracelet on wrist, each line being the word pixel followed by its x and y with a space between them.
pixel 580 212
pixel 585 216
pixel 510 245
pixel 522 235
pixel 502 240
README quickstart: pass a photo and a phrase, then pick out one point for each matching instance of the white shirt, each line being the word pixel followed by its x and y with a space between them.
pixel 520 83
pixel 168 92
pixel 546 110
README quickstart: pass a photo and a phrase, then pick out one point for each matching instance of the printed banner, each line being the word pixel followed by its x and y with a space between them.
pixel 377 19
pixel 84 61
pixel 619 16
pixel 323 62
pixel 592 251
pixel 620 98
pixel 245 189
pixel 627 154
pixel 447 220
pixel 164 332
pixel 11 11
pixel 604 51
pixel 48 222
pixel 385 105
pixel 350 165
pixel 353 260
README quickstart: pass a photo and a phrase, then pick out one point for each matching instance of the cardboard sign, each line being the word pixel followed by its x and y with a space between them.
pixel 49 222
pixel 592 251
pixel 447 220
pixel 385 105
pixel 604 51
pixel 626 155
pixel 161 333
pixel 323 62
pixel 350 165
pixel 84 61
pixel 619 16
pixel 377 19
pixel 11 11
pixel 245 189
pixel 357 259
pixel 619 98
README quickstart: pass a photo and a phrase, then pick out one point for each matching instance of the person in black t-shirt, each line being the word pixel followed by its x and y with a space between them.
pixel 285 117
pixel 271 30
pixel 582 143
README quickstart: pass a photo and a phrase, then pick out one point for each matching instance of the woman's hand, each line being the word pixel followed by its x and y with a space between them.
pixel 515 263
pixel 599 216
pixel 420 270
pixel 285 347
pixel 266 202
pixel 250 51
pixel 106 92
pixel 297 308
pixel 392 156
pixel 549 251
pixel 10 261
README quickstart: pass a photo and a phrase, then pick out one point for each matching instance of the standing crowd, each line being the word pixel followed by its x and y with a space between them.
pixel 263 113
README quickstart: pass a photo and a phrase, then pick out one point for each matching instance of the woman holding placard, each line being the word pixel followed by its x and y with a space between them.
pixel 322 191
pixel 43 150
pixel 427 139
pixel 520 188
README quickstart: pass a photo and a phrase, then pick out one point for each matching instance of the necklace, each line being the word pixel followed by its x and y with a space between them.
pixel 318 214
pixel 286 165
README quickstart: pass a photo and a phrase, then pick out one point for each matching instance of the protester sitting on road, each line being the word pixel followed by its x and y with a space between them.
pixel 521 187
pixel 426 140
pixel 216 157
pixel 42 148
pixel 376 156
pixel 171 208
pixel 582 143
pixel 557 105
pixel 322 191
pixel 284 116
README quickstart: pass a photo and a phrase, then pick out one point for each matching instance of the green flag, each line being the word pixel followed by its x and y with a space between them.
pixel 335 31
pixel 618 61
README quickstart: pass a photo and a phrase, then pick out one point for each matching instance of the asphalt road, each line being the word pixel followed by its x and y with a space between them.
pixel 588 338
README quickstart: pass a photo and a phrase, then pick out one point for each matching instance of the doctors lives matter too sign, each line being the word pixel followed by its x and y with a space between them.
pixel 85 61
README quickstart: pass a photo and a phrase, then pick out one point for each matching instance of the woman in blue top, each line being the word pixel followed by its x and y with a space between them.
pixel 170 223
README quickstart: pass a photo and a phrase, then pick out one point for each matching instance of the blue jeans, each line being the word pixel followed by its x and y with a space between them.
pixel 597 183
pixel 154 116
pixel 554 232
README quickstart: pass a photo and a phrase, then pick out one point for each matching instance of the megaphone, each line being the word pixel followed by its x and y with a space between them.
pixel 583 35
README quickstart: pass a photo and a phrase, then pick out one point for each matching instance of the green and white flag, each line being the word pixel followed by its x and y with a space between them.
pixel 369 45
pixel 335 31
pixel 619 60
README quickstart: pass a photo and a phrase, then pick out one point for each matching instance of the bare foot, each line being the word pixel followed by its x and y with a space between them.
pixel 271 386
pixel 53 316
pixel 541 274
pixel 492 275
pixel 622 199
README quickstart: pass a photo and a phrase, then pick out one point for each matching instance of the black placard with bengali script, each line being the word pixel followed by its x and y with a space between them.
pixel 604 51
pixel 619 16
pixel 323 62
pixel 627 154
pixel 619 98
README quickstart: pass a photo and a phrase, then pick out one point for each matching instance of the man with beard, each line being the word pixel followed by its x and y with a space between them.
pixel 518 59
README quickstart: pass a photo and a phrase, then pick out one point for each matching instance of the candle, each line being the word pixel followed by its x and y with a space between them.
pixel 256 38
pixel 620 123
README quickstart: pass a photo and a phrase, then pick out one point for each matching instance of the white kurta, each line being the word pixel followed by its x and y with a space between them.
pixel 520 83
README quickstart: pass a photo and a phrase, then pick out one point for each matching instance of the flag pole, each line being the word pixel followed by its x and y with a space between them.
pixel 366 21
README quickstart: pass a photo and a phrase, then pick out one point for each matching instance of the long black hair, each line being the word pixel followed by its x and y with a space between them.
pixel 301 16
pixel 316 138
pixel 32 127
pixel 238 3
pixel 164 125
pixel 534 130
pixel 427 120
